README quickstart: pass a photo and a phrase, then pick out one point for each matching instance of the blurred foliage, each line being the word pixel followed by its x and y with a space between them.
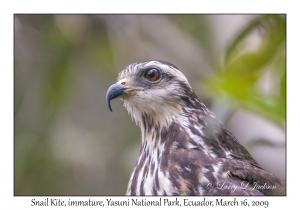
pixel 50 51
pixel 237 79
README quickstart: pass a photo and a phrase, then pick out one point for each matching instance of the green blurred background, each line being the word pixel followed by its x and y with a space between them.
pixel 67 142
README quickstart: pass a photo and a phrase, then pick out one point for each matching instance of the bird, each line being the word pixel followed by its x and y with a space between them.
pixel 185 149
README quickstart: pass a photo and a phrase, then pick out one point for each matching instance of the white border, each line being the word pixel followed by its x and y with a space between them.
pixel 154 6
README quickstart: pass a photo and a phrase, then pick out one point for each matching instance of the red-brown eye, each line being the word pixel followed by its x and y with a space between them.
pixel 152 75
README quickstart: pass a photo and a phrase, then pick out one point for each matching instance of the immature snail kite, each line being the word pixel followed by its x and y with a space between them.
pixel 185 149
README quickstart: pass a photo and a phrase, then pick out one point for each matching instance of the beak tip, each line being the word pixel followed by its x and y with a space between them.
pixel 113 92
pixel 108 102
pixel 110 108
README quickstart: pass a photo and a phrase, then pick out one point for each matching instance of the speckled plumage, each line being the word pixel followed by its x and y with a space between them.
pixel 185 149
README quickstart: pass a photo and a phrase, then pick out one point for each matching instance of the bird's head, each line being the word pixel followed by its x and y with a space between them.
pixel 152 91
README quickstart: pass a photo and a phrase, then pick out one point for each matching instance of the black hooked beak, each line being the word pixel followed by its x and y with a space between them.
pixel 113 92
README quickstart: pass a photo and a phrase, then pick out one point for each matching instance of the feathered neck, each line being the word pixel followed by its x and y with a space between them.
pixel 151 121
pixel 152 118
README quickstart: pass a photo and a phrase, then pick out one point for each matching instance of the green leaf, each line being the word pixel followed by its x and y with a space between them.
pixel 237 80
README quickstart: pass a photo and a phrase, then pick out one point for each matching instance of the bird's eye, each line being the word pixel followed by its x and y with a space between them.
pixel 152 75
